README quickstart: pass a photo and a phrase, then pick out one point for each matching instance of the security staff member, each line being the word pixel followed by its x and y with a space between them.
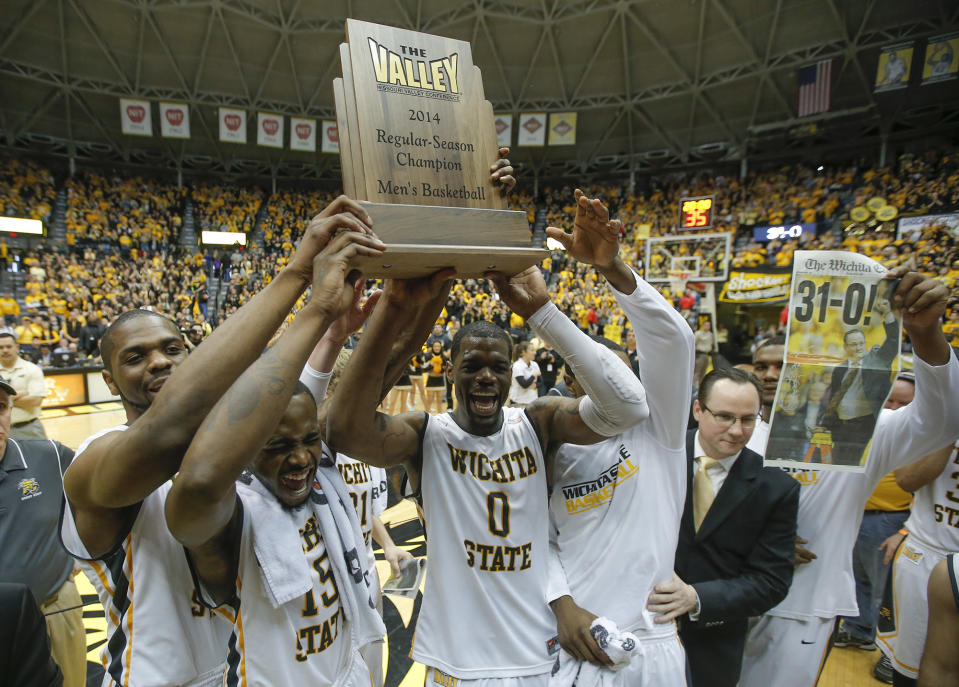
pixel 30 493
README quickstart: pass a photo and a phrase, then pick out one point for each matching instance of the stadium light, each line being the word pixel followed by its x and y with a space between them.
pixel 223 238
pixel 18 225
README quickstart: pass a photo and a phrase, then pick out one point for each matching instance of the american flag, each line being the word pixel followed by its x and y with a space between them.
pixel 814 83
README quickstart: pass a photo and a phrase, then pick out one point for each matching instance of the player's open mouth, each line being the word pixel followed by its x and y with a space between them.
pixel 483 404
pixel 298 482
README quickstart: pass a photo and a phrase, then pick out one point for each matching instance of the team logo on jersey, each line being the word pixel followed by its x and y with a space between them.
pixel 912 555
pixel 596 492
pixel 29 488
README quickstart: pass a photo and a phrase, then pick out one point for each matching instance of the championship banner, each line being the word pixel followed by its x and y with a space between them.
pixel 766 285
pixel 532 129
pixel 135 117
pixel 893 69
pixel 562 129
pixel 303 133
pixel 942 59
pixel 504 129
pixel 269 130
pixel 912 228
pixel 842 355
pixel 174 120
pixel 232 125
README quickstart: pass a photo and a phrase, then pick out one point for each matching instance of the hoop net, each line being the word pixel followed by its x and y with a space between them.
pixel 677 281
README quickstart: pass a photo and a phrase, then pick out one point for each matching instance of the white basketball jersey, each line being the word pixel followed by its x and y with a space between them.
pixel 601 494
pixel 484 611
pixel 831 503
pixel 303 642
pixel 366 485
pixel 158 632
pixel 934 520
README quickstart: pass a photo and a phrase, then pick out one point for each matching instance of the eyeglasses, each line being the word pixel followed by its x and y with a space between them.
pixel 725 420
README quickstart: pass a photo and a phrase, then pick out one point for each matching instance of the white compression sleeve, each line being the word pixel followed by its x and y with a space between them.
pixel 615 399
pixel 317 382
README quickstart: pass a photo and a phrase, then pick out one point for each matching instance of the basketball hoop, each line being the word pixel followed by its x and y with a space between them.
pixel 677 281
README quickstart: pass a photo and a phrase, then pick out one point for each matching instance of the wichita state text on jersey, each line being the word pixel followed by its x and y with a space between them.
pixel 487 528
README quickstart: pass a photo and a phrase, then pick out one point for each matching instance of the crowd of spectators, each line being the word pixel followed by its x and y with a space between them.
pixel 129 212
pixel 27 190
pixel 226 208
pixel 122 249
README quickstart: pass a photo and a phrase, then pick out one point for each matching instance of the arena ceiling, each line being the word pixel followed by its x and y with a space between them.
pixel 656 83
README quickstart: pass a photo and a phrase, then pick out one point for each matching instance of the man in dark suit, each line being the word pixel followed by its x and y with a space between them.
pixel 858 389
pixel 734 559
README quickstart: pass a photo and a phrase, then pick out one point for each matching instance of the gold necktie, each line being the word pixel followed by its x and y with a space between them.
pixel 703 493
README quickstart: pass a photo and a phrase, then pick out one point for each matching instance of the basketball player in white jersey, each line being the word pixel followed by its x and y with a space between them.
pixel 933 527
pixel 484 620
pixel 366 484
pixel 157 632
pixel 940 660
pixel 600 494
pixel 788 645
pixel 284 547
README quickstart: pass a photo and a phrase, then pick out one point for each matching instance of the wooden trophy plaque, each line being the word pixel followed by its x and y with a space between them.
pixel 416 143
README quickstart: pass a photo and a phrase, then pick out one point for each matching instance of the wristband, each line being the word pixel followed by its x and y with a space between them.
pixel 903 531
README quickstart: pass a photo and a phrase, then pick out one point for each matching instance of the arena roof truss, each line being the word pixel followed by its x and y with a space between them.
pixel 657 84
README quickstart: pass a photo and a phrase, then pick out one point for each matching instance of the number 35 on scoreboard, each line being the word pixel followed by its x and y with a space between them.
pixel 696 213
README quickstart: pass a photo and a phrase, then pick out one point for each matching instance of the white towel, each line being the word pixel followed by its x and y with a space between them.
pixel 286 572
pixel 622 648
pixel 276 543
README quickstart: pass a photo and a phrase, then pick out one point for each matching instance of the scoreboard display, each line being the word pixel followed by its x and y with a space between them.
pixel 696 213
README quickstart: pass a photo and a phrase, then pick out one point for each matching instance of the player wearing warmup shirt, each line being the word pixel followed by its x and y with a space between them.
pixel 940 661
pixel 599 493
pixel 933 527
pixel 787 646
pixel 366 484
pixel 484 618
pixel 282 548
pixel 158 634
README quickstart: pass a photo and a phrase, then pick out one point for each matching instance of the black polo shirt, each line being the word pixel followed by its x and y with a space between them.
pixel 31 491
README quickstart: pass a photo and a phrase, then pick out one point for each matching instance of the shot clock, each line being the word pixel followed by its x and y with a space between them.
pixel 696 213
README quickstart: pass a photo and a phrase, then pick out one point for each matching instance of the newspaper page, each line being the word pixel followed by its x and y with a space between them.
pixel 842 355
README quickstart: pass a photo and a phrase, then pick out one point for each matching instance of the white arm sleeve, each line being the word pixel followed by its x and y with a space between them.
pixel 664 353
pixel 615 399
pixel 316 381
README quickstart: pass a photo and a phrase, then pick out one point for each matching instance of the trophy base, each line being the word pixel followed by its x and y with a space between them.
pixel 405 260
pixel 423 239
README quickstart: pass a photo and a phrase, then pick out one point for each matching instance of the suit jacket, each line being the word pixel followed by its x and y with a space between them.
pixel 25 658
pixel 876 375
pixel 740 562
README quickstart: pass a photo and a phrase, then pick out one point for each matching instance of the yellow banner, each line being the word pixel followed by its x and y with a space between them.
pixel 562 128
pixel 942 59
pixel 892 72
pixel 756 286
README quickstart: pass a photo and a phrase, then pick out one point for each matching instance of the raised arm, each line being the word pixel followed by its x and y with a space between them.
pixel 916 475
pixel 615 399
pixel 202 500
pixel 664 342
pixel 121 468
pixel 353 425
pixel 931 421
